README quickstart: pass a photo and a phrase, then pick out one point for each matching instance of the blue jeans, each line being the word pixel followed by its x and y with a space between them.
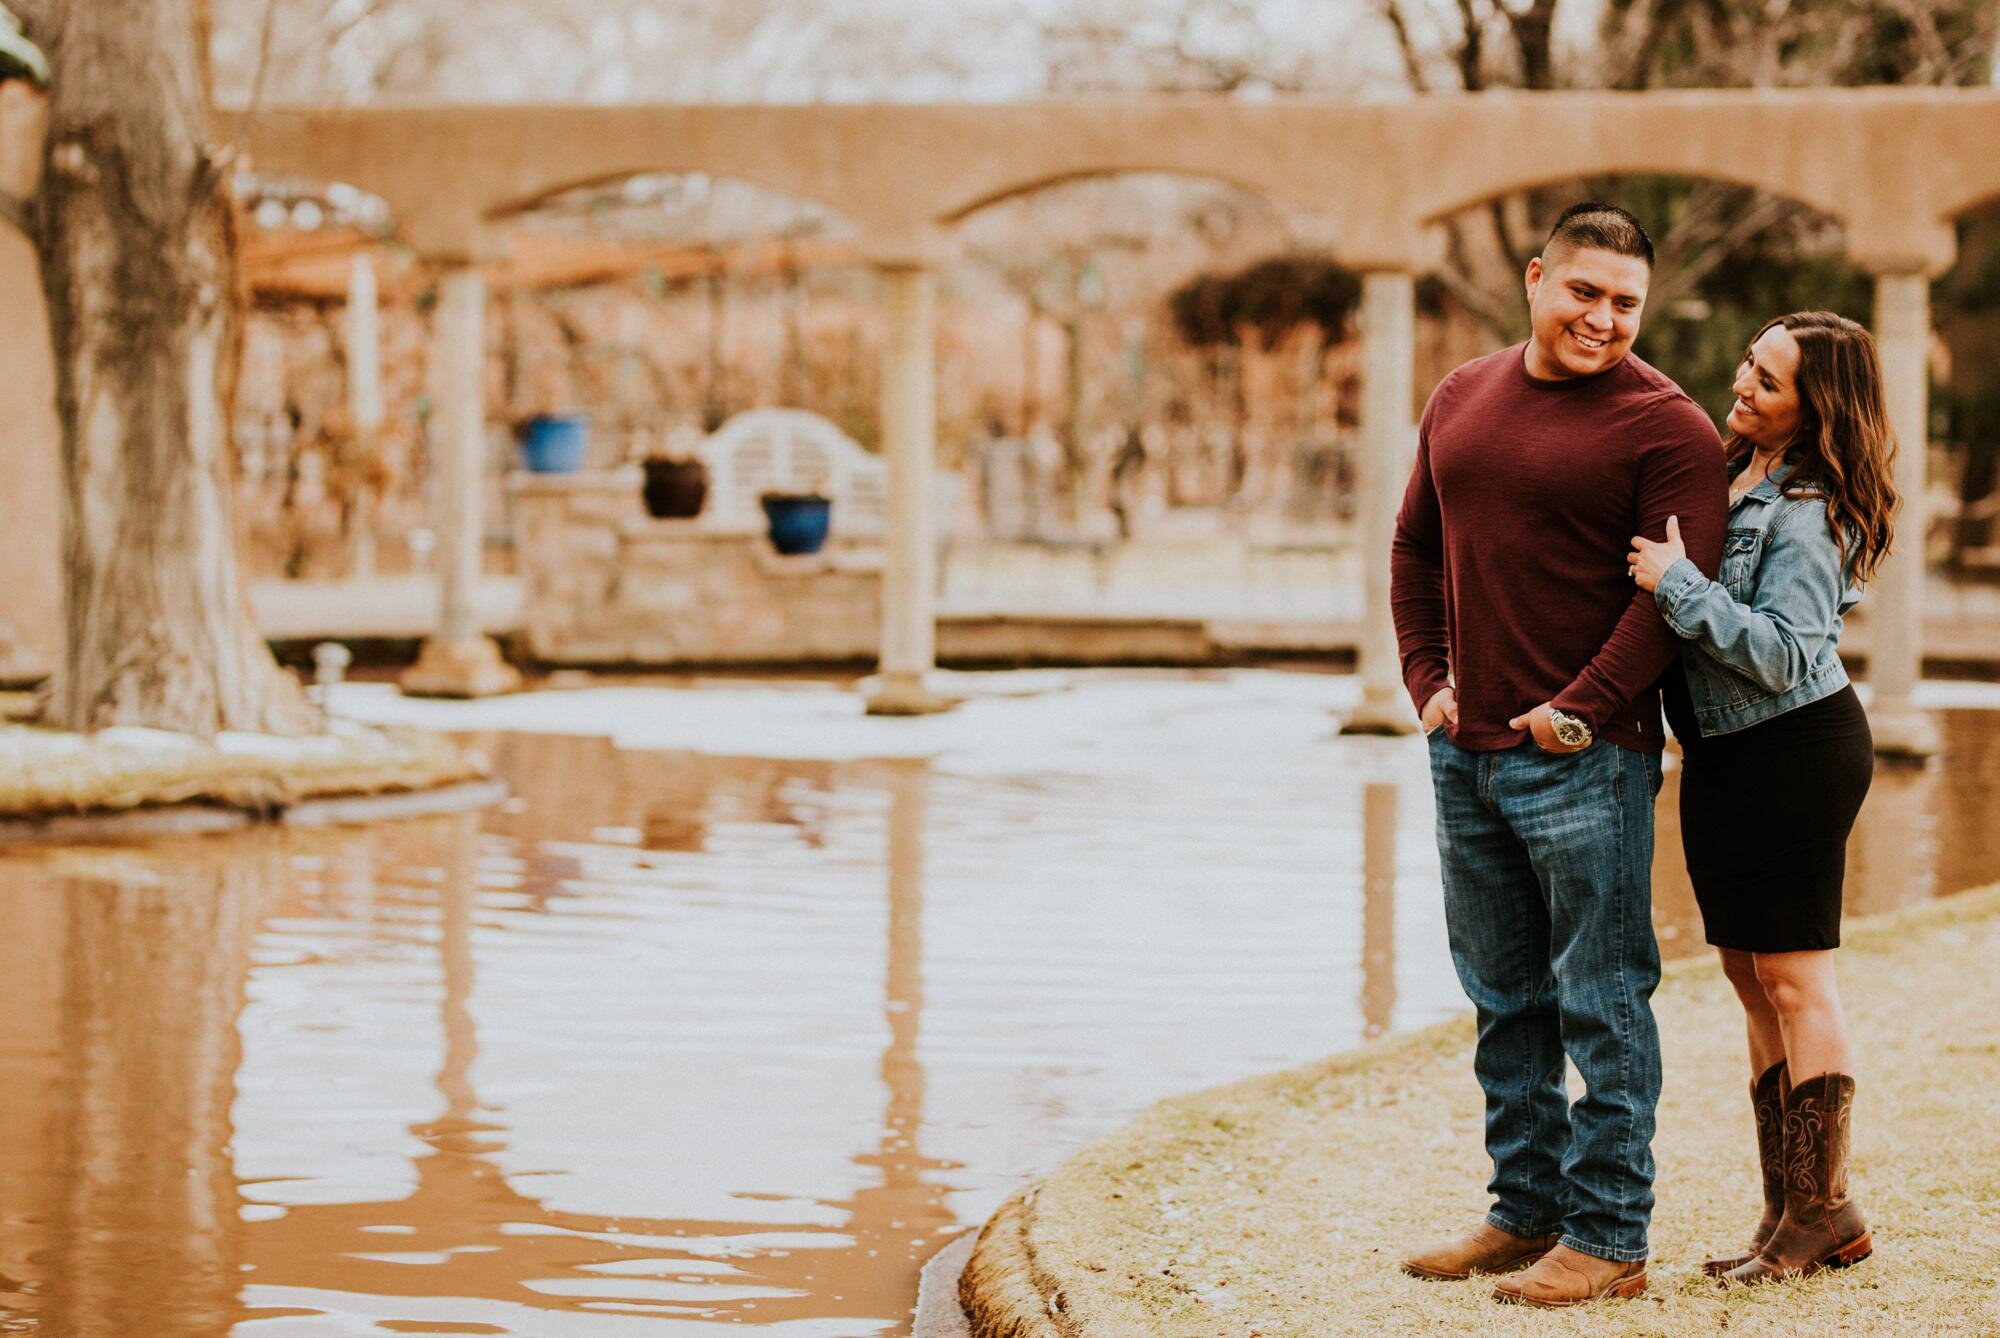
pixel 1548 865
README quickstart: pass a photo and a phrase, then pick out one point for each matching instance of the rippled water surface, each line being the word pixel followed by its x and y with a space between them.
pixel 674 1041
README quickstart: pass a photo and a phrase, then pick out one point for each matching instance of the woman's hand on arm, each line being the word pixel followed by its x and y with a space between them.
pixel 1648 561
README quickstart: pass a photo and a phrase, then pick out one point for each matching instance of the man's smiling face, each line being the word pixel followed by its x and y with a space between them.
pixel 1583 305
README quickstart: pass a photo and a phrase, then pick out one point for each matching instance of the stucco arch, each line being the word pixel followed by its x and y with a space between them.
pixel 841 227
pixel 1987 197
pixel 510 208
pixel 959 213
pixel 448 172
pixel 1895 164
pixel 1886 163
pixel 1487 178
pixel 1605 169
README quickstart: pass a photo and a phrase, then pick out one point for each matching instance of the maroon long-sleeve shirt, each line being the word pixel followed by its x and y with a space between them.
pixel 1508 575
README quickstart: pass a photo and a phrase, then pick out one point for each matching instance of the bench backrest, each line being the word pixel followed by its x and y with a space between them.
pixel 791 450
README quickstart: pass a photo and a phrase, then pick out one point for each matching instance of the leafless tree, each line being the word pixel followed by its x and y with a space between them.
pixel 137 235
pixel 1239 47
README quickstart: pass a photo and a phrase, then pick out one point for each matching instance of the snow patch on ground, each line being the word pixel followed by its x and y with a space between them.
pixel 1009 722
pixel 1040 721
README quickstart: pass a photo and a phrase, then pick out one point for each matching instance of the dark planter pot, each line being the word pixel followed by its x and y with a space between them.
pixel 554 443
pixel 798 522
pixel 675 489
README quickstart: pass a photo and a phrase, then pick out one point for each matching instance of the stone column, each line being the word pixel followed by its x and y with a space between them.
pixel 1388 446
pixel 364 403
pixel 904 685
pixel 458 660
pixel 1895 606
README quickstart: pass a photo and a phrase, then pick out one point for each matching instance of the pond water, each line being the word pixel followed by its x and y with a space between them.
pixel 679 1040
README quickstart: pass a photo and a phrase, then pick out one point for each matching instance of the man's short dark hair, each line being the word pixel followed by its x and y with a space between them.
pixel 1595 225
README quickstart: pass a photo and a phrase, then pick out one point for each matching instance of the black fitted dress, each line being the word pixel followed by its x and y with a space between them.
pixel 1765 815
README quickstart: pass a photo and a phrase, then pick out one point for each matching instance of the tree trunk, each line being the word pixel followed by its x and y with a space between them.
pixel 138 250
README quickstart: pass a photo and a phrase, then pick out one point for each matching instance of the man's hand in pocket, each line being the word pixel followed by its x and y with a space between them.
pixel 1441 709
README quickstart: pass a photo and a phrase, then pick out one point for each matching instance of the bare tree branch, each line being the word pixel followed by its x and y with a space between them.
pixel 1471 53
pixel 264 33
pixel 1699 258
pixel 1413 66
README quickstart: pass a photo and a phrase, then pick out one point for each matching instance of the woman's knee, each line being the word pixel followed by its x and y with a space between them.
pixel 1792 985
pixel 1740 969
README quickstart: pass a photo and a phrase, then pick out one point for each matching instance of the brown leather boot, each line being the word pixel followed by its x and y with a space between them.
pixel 1821 1227
pixel 1767 1100
pixel 1487 1250
pixel 1566 1277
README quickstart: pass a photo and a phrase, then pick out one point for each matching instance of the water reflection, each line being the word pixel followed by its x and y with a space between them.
pixel 143 1234
pixel 487 1250
pixel 674 1042
pixel 1378 907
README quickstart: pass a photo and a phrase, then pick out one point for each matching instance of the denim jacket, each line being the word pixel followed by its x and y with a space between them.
pixel 1762 640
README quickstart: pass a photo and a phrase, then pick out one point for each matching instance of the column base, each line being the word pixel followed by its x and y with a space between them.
pixel 23 670
pixel 905 695
pixel 460 667
pixel 1903 733
pixel 23 663
pixel 1384 715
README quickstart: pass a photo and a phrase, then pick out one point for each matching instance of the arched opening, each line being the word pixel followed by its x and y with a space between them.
pixel 1730 257
pixel 1057 183
pixel 1965 305
pixel 660 305
pixel 1178 362
pixel 327 404
pixel 651 307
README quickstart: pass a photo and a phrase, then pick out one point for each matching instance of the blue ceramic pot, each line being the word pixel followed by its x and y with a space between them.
pixel 555 443
pixel 798 522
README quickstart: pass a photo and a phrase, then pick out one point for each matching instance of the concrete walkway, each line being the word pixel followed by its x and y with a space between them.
pixel 388 608
pixel 1059 616
pixel 1278 1207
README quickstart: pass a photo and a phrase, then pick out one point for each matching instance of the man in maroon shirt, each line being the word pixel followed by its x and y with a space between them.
pixel 1532 660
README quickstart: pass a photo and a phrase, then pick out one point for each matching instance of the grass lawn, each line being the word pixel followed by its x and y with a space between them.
pixel 1279 1207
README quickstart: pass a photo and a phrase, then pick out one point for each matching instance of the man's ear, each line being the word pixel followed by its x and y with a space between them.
pixel 1535 272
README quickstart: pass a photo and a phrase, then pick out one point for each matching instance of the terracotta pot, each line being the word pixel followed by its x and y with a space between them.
pixel 675 489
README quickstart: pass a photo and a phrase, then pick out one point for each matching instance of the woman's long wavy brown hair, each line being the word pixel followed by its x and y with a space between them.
pixel 1844 449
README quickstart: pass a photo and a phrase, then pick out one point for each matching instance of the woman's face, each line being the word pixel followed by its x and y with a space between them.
pixel 1766 410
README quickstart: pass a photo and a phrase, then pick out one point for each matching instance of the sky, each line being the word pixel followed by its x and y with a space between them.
pixel 795 50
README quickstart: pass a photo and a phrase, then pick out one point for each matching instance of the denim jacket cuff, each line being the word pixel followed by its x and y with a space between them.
pixel 1679 581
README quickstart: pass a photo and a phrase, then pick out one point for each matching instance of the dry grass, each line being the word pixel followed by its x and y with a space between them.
pixel 1278 1207
pixel 46 773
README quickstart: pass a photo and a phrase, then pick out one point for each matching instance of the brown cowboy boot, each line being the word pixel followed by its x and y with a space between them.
pixel 1767 1099
pixel 1565 1277
pixel 1487 1249
pixel 1821 1227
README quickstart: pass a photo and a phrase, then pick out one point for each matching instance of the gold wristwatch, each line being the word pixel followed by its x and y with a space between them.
pixel 1571 731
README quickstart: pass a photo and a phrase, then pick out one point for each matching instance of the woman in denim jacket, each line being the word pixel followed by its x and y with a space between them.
pixel 1776 753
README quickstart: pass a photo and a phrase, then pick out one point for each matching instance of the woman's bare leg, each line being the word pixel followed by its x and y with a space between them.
pixel 1767 1038
pixel 1803 993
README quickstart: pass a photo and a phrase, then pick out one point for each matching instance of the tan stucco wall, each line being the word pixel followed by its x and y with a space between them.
pixel 30 445
pixel 603 583
pixel 1894 164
